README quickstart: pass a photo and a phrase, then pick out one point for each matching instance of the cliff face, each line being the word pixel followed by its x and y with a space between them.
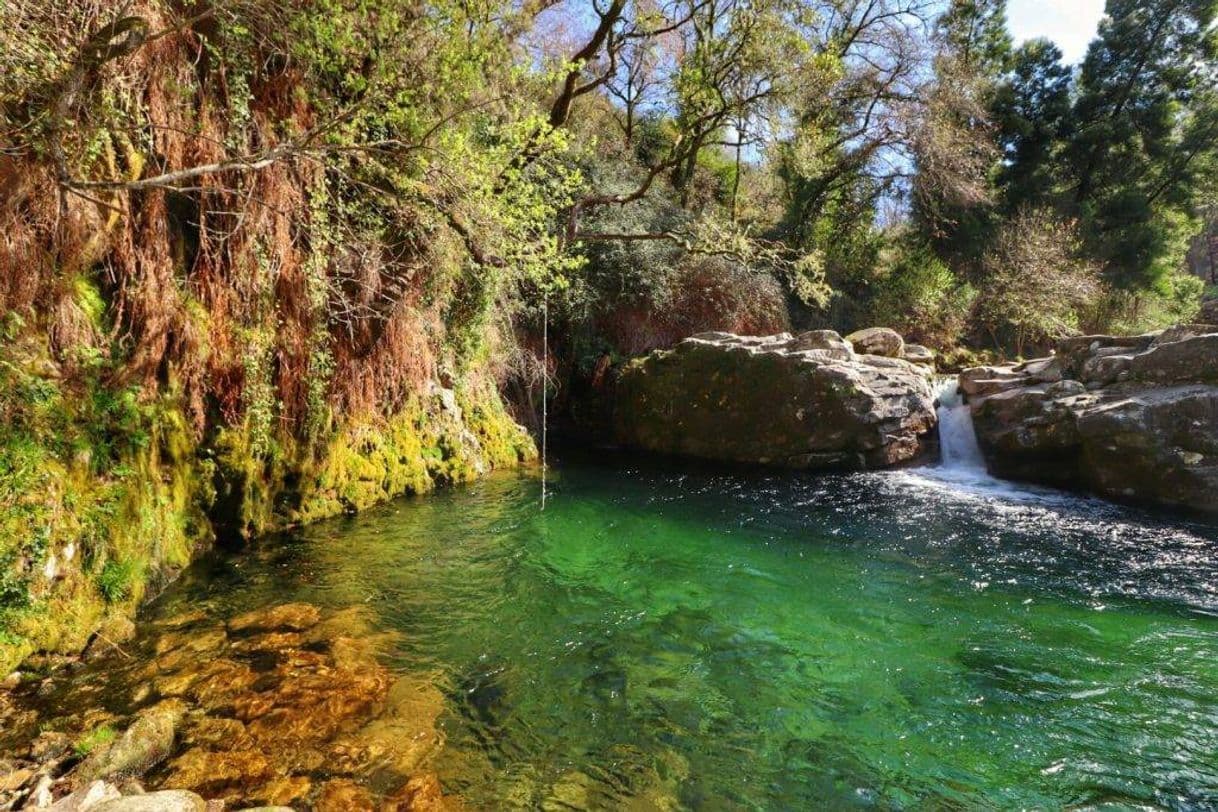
pixel 251 349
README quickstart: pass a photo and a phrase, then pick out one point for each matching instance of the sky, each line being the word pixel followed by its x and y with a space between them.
pixel 1069 23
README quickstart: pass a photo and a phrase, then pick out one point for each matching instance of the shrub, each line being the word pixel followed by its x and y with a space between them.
pixel 918 295
pixel 1035 288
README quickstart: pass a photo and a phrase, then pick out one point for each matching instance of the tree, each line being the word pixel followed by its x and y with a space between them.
pixel 1145 118
pixel 1031 114
pixel 956 149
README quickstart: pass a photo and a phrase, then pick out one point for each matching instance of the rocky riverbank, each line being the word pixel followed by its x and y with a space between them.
pixel 284 707
pixel 813 401
pixel 1133 418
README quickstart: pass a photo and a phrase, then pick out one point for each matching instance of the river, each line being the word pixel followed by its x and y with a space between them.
pixel 667 636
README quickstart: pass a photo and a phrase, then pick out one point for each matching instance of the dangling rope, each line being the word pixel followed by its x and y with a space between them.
pixel 545 380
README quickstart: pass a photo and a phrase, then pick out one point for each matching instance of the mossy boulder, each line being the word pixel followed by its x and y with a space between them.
pixel 787 401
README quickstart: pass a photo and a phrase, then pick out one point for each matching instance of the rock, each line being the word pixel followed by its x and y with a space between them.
pixel 830 342
pixel 1073 351
pixel 1192 360
pixel 87 797
pixel 764 400
pixel 342 795
pixel 420 794
pixel 1182 331
pixel 15 779
pixel 50 745
pixel 41 797
pixel 917 354
pixel 878 341
pixel 284 790
pixel 1140 424
pixel 295 617
pixel 113 633
pixel 1042 370
pixel 213 773
pixel 147 742
pixel 167 800
pixel 983 381
pixel 1065 389
pixel 1102 370
pixel 1209 311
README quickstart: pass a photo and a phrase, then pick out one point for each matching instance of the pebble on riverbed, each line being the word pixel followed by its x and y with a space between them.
pixel 281 707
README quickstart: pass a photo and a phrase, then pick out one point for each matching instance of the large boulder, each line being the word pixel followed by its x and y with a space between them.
pixel 803 401
pixel 878 341
pixel 1137 418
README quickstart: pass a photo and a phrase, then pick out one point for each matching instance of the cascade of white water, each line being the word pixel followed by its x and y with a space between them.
pixel 957 439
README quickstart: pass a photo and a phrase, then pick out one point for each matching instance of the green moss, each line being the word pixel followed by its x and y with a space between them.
pixel 98 736
pixel 99 491
pixel 444 438
pixel 103 490
pixel 89 299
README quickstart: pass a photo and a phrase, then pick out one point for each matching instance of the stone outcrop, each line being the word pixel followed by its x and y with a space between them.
pixel 1132 418
pixel 806 401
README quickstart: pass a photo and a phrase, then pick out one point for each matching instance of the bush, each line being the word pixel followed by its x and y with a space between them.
pixel 1035 289
pixel 918 296
pixel 1175 300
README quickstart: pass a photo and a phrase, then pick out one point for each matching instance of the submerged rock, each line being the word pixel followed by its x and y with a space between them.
pixel 147 742
pixel 1132 418
pixel 292 617
pixel 803 401
pixel 171 800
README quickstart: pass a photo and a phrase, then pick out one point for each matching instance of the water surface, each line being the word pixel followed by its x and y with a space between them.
pixel 667 637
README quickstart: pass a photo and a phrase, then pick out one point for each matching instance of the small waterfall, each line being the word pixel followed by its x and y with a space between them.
pixel 957 439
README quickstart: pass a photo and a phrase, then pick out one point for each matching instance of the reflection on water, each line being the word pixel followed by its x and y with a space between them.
pixel 673 638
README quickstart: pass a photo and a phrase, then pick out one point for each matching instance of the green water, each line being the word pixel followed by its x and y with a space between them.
pixel 664 638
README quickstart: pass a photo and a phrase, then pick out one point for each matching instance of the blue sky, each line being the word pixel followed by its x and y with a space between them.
pixel 1069 23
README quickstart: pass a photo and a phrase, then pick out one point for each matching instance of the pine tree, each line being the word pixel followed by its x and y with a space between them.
pixel 1031 113
pixel 1145 118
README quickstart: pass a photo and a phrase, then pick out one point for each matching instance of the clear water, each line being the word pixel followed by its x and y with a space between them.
pixel 676 638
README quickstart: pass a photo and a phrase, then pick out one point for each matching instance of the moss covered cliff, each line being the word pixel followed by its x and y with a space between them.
pixel 219 315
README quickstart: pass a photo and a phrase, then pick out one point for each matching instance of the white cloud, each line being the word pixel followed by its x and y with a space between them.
pixel 1069 23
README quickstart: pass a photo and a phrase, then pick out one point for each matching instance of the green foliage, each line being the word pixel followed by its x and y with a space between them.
pixel 1031 112
pixel 117 580
pixel 918 295
pixel 1144 118
pixel 95 738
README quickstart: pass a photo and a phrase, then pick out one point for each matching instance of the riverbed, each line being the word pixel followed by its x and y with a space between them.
pixel 666 636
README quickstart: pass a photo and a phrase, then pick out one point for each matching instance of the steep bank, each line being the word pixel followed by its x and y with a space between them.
pixel 1132 418
pixel 107 495
pixel 202 359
